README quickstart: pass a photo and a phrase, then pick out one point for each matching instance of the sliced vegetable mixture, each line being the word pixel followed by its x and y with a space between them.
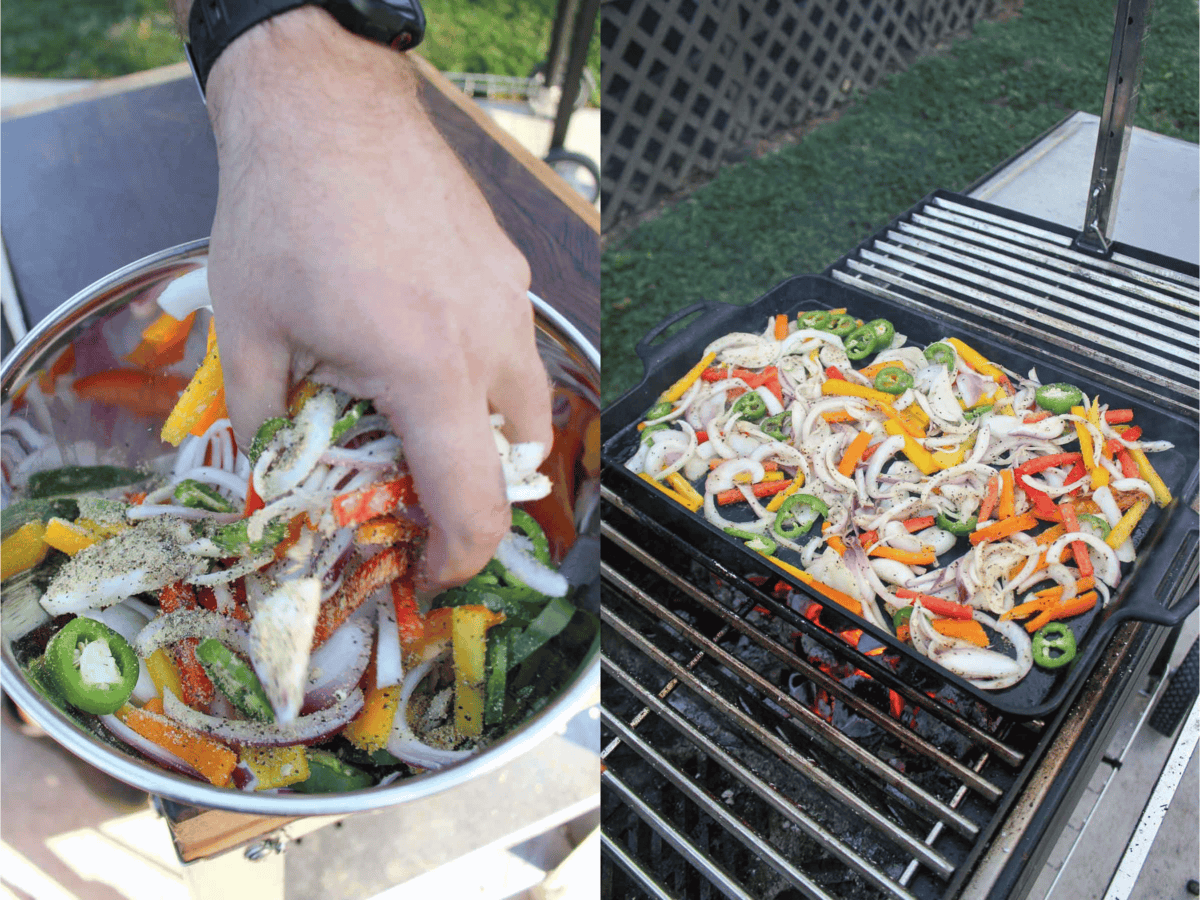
pixel 248 616
pixel 961 506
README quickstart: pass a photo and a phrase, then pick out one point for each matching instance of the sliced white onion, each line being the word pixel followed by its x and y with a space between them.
pixel 191 623
pixel 405 745
pixel 302 730
pixel 1111 573
pixel 186 294
pixel 389 660
pixel 515 554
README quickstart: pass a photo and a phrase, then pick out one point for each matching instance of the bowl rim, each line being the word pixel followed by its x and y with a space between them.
pixel 168 785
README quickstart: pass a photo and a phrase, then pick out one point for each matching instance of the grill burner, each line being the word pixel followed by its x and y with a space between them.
pixel 753 749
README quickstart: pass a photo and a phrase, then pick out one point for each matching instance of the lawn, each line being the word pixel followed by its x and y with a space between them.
pixel 943 123
pixel 103 38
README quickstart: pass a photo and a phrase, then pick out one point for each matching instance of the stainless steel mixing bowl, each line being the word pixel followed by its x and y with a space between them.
pixel 571 361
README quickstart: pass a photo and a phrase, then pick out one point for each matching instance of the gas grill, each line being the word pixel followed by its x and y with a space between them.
pixel 758 744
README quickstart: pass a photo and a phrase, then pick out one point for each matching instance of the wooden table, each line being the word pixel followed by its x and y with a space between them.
pixel 96 179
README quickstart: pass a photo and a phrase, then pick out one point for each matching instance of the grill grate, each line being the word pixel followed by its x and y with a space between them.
pixel 1127 321
pixel 747 756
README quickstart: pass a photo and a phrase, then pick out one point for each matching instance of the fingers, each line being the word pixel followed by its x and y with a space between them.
pixel 452 455
pixel 256 371
pixel 521 393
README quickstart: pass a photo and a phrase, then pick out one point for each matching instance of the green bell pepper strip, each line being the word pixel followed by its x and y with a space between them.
pixel 497 679
pixel 976 411
pixel 1058 398
pixel 235 537
pixel 816 318
pixel 658 410
pixel 1053 646
pixel 788 519
pixel 328 774
pixel 1101 526
pixel 266 431
pixel 349 419
pixel 649 430
pixel 751 405
pixel 841 325
pixel 766 546
pixel 893 380
pixel 956 527
pixel 529 525
pixel 941 354
pixel 550 621
pixel 859 343
pixel 773 425
pixel 63 668
pixel 901 616
pixel 80 480
pixel 235 679
pixel 192 493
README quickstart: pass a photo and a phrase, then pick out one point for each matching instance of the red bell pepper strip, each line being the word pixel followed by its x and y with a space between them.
pixel 989 499
pixel 148 395
pixel 1042 463
pixel 701 437
pixel 772 384
pixel 374 500
pixel 1118 416
pixel 1078 548
pixel 834 372
pixel 762 489
pixel 947 609
pixel 1129 467
pixel 1078 473
pixel 408 615
pixel 198 689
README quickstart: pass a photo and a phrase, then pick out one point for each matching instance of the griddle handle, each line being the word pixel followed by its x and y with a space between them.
pixel 1166 565
pixel 653 356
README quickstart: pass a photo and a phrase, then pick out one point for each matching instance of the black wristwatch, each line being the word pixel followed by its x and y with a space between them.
pixel 213 24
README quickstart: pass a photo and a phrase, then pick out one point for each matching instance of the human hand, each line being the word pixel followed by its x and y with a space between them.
pixel 350 246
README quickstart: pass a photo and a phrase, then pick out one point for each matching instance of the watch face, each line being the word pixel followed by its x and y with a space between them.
pixel 398 23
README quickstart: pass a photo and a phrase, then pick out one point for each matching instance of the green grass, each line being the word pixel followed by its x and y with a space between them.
pixel 105 38
pixel 941 124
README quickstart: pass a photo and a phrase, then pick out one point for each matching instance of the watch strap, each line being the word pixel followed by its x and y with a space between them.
pixel 214 24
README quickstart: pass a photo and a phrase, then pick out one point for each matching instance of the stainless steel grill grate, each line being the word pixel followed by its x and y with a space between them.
pixel 1124 321
pixel 744 757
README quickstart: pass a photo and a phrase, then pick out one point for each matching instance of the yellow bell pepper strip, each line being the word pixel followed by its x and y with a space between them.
pixel 919 456
pixel 211 413
pixel 163 342
pixel 825 590
pixel 201 392
pixel 875 368
pixel 674 495
pixel 1162 496
pixel 684 488
pixel 777 500
pixel 370 729
pixel 276 767
pixel 70 537
pixel 1073 607
pixel 163 673
pixel 965 629
pixel 433 640
pixel 469 625
pixel 944 459
pixel 213 760
pixel 1003 528
pixel 977 360
pixel 854 453
pixel 1086 446
pixel 1120 532
pixel 23 549
pixel 679 388
pixel 1100 475
pixel 837 387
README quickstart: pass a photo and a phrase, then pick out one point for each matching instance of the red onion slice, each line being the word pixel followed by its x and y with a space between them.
pixel 308 729
pixel 337 665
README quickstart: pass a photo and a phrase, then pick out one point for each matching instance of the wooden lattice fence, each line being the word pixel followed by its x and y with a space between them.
pixel 685 83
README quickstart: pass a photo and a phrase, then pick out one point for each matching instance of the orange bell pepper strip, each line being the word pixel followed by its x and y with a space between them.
pixel 1078 548
pixel 410 622
pixel 854 453
pixel 781 326
pixel 825 590
pixel 1007 507
pixel 1003 528
pixel 1045 599
pixel 210 414
pixel 147 395
pixel 1073 607
pixel 966 629
pixel 199 393
pixel 838 545
pixel 923 557
pixel 211 759
pixel 163 342
pixel 63 364
pixel 762 489
pixel 357 507
pixel 989 499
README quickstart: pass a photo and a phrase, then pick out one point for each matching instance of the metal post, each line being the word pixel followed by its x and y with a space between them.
pixel 1116 125
pixel 585 24
pixel 564 17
